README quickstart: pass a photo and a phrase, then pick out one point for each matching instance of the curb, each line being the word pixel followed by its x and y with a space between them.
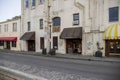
pixel 100 59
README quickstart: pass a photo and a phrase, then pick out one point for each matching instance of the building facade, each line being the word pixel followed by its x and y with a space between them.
pixel 69 26
pixel 10 34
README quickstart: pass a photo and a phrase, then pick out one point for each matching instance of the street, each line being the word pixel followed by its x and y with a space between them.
pixel 61 69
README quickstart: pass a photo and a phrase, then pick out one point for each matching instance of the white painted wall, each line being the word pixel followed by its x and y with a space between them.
pixel 93 19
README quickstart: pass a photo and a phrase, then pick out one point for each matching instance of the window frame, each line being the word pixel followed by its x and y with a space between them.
pixel 29 25
pixel 41 23
pixel 0 28
pixel 26 3
pixel 55 23
pixel 1 43
pixel 41 2
pixel 76 21
pixel 14 27
pixel 14 44
pixel 114 14
pixel 6 28
pixel 33 2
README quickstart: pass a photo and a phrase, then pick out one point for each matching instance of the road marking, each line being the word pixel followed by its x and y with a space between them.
pixel 33 77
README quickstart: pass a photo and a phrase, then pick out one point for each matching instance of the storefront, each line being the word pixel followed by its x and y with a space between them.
pixel 73 38
pixel 7 41
pixel 29 37
pixel 112 40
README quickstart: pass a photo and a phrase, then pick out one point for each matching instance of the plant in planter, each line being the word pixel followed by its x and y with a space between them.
pixel 98 53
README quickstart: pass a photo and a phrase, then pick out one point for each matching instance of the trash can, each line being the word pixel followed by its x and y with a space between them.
pixel 52 52
pixel 44 51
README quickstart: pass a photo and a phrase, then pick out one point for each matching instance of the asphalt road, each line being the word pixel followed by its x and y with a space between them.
pixel 87 69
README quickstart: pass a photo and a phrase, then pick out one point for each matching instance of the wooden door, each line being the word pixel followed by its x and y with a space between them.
pixel 69 46
pixel 31 45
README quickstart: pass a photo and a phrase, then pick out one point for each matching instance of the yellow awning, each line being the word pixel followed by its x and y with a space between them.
pixel 112 32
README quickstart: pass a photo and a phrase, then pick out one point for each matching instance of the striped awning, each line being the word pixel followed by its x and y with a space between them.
pixel 112 32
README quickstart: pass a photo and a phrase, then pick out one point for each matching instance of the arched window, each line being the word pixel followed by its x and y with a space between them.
pixel 56 21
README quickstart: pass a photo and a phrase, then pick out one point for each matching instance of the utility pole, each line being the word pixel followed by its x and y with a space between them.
pixel 49 23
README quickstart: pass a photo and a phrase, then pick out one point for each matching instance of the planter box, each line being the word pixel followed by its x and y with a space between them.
pixel 98 54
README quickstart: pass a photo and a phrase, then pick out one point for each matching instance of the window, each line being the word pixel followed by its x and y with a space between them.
pixel 14 27
pixel 6 28
pixel 56 21
pixel 41 23
pixel 13 43
pixel 28 23
pixel 113 14
pixel 41 42
pixel 41 1
pixel 55 42
pixel 33 2
pixel 76 19
pixel 27 3
pixel 1 43
pixel 0 29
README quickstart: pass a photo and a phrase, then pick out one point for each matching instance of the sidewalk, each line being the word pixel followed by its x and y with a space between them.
pixel 68 56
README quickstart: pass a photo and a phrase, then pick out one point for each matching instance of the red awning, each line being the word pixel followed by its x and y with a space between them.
pixel 8 38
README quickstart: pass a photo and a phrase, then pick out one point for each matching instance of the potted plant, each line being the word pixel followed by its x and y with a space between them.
pixel 98 53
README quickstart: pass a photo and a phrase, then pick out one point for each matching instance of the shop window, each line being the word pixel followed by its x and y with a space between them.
pixel 13 43
pixel 55 42
pixel 114 46
pixel 1 43
pixel 76 19
pixel 113 14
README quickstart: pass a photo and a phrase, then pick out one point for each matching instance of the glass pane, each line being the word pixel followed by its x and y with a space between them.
pixel 26 3
pixel 113 14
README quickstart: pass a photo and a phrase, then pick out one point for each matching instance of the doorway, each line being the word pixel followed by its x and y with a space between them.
pixel 74 46
pixel 31 45
pixel 7 44
pixel 112 47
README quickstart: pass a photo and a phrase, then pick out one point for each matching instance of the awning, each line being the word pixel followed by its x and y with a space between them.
pixel 112 32
pixel 28 36
pixel 71 33
pixel 8 38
